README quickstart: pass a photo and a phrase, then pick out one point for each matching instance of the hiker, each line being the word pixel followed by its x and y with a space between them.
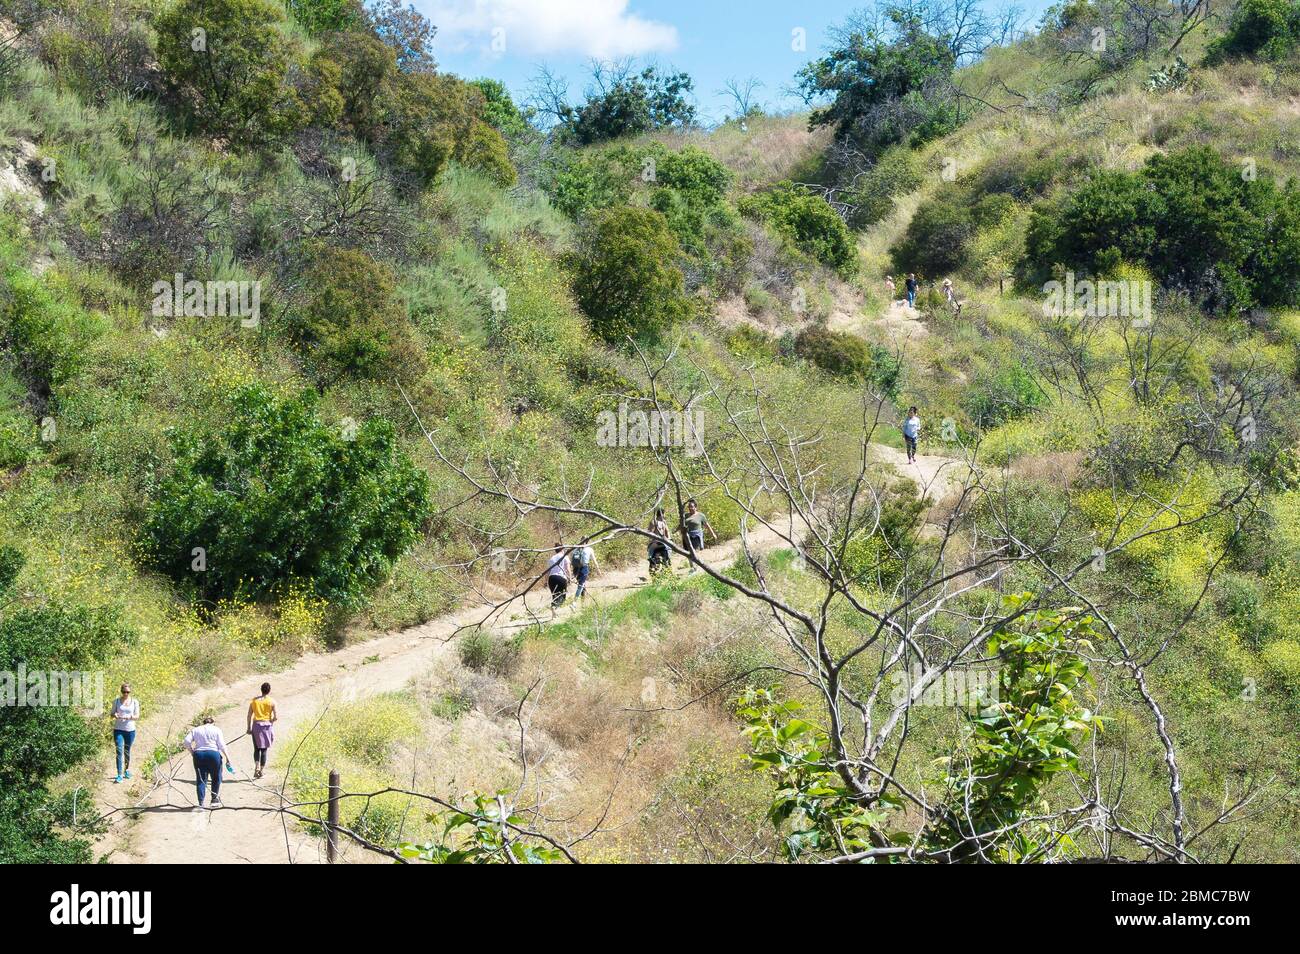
pixel 582 561
pixel 890 288
pixel 911 431
pixel 208 747
pixel 950 296
pixel 695 523
pixel 557 576
pixel 912 286
pixel 261 718
pixel 125 711
pixel 660 555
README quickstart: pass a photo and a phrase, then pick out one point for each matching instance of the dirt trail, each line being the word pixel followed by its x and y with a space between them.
pixel 167 827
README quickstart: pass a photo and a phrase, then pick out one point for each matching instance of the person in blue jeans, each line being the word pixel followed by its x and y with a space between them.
pixel 582 561
pixel 912 286
pixel 911 431
pixel 208 747
pixel 125 711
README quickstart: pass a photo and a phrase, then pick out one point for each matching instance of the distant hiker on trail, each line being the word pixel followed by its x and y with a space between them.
pixel 912 286
pixel 890 288
pixel 208 746
pixel 695 523
pixel 125 711
pixel 950 296
pixel 557 576
pixel 911 431
pixel 660 555
pixel 582 561
pixel 261 718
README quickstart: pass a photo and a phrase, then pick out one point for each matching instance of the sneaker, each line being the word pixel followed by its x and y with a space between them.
pixel 118 780
pixel 126 774
pixel 215 803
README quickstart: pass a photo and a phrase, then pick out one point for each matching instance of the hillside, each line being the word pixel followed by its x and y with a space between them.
pixel 320 354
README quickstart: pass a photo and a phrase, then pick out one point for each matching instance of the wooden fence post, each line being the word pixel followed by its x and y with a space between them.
pixel 331 830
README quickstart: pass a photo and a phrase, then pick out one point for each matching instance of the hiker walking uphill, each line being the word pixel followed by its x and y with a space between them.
pixel 657 549
pixel 261 719
pixel 125 712
pixel 557 576
pixel 911 431
pixel 694 524
pixel 208 747
pixel 582 562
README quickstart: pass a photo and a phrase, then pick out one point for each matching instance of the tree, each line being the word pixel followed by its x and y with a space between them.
pixel 618 102
pixel 234 71
pixel 1269 29
pixel 323 16
pixel 274 495
pixel 808 223
pixel 407 32
pixel 625 275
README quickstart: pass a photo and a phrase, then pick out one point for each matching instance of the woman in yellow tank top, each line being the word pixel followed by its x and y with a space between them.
pixel 261 717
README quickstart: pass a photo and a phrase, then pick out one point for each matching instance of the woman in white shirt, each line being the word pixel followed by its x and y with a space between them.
pixel 125 711
pixel 208 747
pixel 557 576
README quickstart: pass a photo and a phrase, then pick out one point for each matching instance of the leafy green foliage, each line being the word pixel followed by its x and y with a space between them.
pixel 352 321
pixel 808 223
pixel 499 108
pixel 1268 29
pixel 1193 218
pixel 629 105
pixel 1019 742
pixel 242 77
pixel 1010 392
pixel 433 119
pixel 42 741
pixel 276 495
pixel 848 356
pixel 482 836
pixel 882 82
pixel 320 16
pixel 626 278
pixel 939 235
pixel 813 808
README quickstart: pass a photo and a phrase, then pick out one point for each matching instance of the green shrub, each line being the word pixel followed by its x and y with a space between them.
pixel 807 222
pixel 1005 395
pixel 1269 29
pixel 352 322
pixel 936 237
pixel 848 356
pixel 1191 217
pixel 320 16
pixel 40 742
pixel 433 119
pixel 274 495
pixel 46 328
pixel 238 78
pixel 626 276
pixel 98 50
pixel 481 651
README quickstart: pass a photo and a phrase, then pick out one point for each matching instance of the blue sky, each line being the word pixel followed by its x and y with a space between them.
pixel 711 40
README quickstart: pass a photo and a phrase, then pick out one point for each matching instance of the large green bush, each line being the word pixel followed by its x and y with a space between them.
pixel 1199 223
pixel 808 223
pixel 848 356
pixel 352 322
pixel 626 276
pixel 275 495
pixel 1269 29
pixel 234 71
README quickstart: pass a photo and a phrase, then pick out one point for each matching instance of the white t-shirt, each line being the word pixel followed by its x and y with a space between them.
pixel 558 566
pixel 912 426
pixel 205 738
pixel 125 714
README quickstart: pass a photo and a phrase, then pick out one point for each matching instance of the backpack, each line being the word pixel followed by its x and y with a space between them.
pixel 581 557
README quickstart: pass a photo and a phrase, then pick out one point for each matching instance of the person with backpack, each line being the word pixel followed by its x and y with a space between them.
pixel 582 561
pixel 261 718
pixel 125 711
pixel 912 287
pixel 911 431
pixel 557 576
pixel 695 523
pixel 658 552
pixel 207 746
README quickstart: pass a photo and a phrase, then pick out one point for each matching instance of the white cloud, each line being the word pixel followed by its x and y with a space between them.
pixel 600 28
